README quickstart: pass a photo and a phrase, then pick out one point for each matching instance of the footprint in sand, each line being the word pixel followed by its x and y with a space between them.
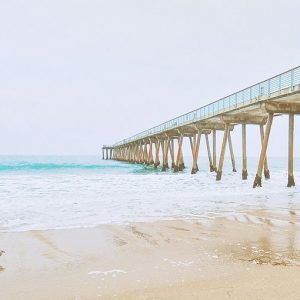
pixel 178 228
pixel 119 242
pixel 142 235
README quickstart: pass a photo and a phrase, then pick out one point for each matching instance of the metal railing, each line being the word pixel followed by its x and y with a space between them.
pixel 252 94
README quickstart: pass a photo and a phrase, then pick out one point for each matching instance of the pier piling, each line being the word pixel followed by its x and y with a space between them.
pixel 171 146
pixel 178 157
pixel 211 167
pixel 231 152
pixel 215 150
pixel 266 166
pixel 291 181
pixel 156 159
pixel 195 151
pixel 221 159
pixel 244 149
pixel 257 180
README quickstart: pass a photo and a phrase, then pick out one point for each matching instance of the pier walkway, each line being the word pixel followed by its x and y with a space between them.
pixel 257 104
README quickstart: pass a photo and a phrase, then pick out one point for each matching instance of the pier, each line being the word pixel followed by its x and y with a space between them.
pixel 255 105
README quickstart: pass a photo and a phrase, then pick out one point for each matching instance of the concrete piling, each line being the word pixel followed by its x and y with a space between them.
pixel 291 181
pixel 221 160
pixel 244 149
pixel 257 181
pixel 231 152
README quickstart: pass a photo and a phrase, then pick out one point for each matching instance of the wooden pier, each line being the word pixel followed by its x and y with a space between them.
pixel 256 105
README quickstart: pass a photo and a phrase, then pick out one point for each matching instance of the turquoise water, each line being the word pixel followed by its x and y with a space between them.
pixel 94 164
pixel 66 164
pixel 46 192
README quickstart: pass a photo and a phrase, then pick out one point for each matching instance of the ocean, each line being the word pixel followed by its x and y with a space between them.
pixel 52 192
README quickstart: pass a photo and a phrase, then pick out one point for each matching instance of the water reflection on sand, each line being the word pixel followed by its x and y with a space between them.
pixel 262 236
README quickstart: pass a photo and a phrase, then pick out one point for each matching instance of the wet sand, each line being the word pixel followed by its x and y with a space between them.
pixel 252 256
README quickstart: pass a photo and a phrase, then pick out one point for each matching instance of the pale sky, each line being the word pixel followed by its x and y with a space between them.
pixel 78 74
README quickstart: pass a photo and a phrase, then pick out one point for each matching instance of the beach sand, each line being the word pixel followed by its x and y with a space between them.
pixel 255 256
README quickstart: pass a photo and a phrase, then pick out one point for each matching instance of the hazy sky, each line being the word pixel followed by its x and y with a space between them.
pixel 77 74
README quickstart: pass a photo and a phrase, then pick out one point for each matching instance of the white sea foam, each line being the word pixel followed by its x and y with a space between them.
pixel 49 200
pixel 113 272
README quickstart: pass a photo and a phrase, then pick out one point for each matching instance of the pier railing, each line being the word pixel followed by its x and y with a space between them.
pixel 255 93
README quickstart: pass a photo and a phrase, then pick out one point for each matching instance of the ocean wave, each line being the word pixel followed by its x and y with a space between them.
pixel 52 166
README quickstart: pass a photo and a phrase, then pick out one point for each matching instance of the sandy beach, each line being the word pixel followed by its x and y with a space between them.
pixel 255 256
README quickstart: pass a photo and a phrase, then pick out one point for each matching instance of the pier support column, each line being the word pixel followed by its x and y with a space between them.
pixel 145 153
pixel 165 164
pixel 163 167
pixel 167 150
pixel 266 167
pixel 257 180
pixel 211 167
pixel 126 153
pixel 178 158
pixel 291 181
pixel 151 153
pixel 181 162
pixel 133 157
pixel 244 147
pixel 214 150
pixel 136 154
pixel 141 153
pixel 156 159
pixel 102 153
pixel 131 153
pixel 221 160
pixel 195 152
pixel 162 146
pixel 171 146
pixel 231 152
pixel 106 154
pixel 192 140
pixel 181 165
pixel 121 154
pixel 150 156
pixel 136 151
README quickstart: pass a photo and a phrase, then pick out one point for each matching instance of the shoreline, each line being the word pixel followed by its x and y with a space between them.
pixel 220 259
